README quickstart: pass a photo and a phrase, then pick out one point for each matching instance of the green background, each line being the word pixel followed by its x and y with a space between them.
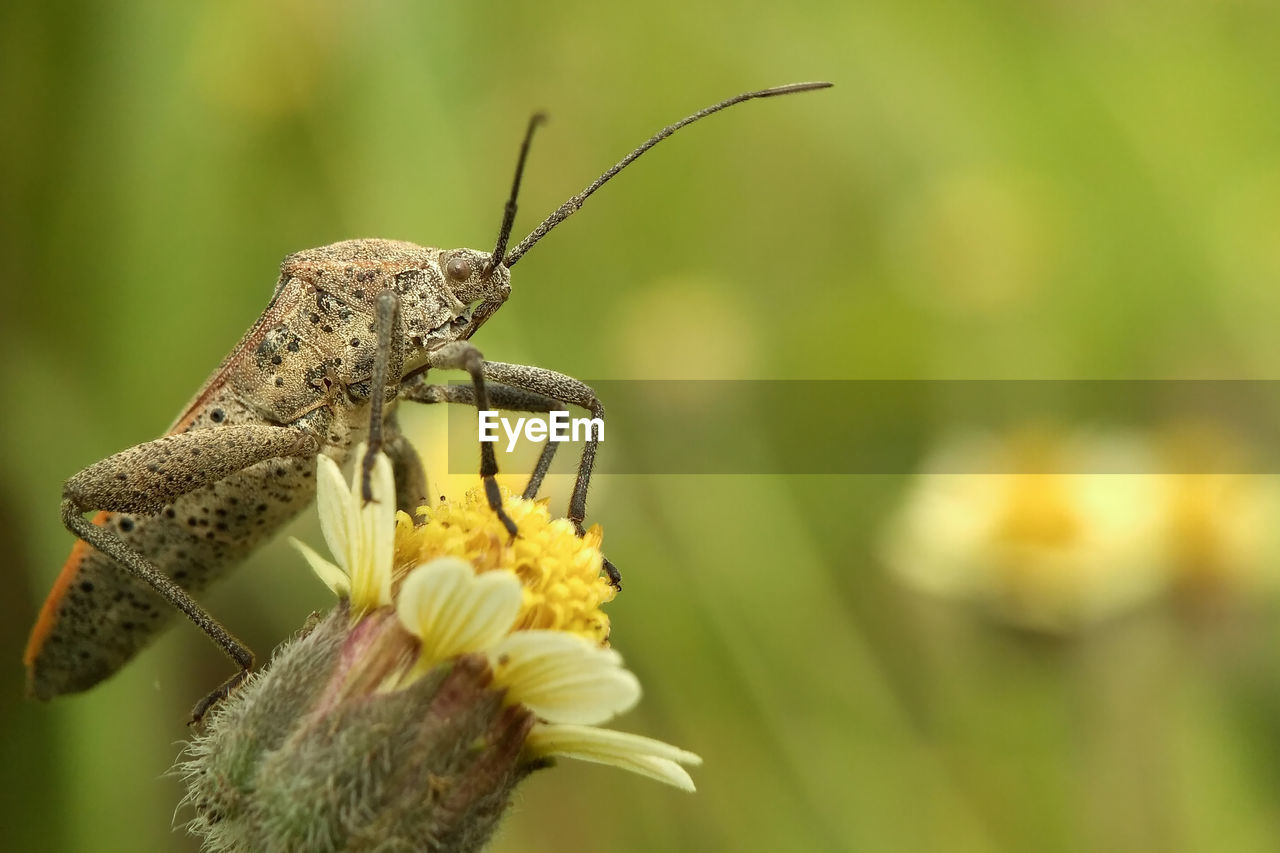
pixel 1042 189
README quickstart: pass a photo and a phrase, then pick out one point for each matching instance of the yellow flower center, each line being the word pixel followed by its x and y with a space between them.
pixel 1039 511
pixel 559 571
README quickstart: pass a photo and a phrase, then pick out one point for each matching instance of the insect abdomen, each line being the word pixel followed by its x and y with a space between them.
pixel 98 615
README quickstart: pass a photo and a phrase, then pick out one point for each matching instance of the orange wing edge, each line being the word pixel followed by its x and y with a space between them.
pixel 48 617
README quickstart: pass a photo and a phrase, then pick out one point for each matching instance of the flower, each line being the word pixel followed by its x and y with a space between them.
pixel 1221 532
pixel 458 661
pixel 1219 521
pixel 559 571
pixel 1024 534
pixel 530 605
pixel 569 682
pixel 1054 531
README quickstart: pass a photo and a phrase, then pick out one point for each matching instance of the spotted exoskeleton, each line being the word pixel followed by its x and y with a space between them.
pixel 351 330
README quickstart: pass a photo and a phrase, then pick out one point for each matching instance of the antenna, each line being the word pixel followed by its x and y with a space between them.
pixel 509 212
pixel 571 206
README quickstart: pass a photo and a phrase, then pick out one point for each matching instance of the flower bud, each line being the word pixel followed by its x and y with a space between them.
pixel 313 754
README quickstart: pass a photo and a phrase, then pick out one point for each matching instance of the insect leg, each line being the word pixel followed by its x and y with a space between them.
pixel 406 468
pixel 462 355
pixel 388 307
pixel 545 384
pixel 505 397
pixel 565 389
pixel 144 478
pixel 545 458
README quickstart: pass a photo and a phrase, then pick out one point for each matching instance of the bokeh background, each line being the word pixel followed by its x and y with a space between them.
pixel 995 190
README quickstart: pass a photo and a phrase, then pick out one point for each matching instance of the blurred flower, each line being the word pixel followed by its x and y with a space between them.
pixel 1220 525
pixel 1221 531
pixel 1037 545
pixel 458 661
pixel 1066 530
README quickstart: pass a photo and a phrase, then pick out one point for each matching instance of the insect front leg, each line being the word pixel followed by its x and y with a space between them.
pixel 144 478
pixel 544 385
pixel 564 389
pixel 384 430
pixel 462 355
pixel 388 346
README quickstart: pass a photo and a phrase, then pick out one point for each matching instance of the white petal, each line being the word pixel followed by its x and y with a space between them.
pixel 564 678
pixel 426 590
pixel 357 533
pixel 453 610
pixel 648 757
pixel 370 564
pixel 333 499
pixel 333 577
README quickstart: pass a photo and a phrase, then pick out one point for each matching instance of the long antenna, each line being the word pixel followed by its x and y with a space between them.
pixel 509 212
pixel 571 206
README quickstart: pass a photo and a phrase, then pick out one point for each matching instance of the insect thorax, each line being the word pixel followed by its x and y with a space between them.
pixel 318 337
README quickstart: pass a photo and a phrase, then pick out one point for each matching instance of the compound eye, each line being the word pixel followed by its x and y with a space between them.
pixel 458 268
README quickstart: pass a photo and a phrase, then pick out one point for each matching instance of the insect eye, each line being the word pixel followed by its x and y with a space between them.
pixel 458 268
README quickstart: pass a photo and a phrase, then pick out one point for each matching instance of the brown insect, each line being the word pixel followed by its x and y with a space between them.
pixel 351 329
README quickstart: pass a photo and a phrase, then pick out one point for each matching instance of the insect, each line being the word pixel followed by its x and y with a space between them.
pixel 351 329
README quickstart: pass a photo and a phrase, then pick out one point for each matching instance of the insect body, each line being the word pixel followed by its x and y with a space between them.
pixel 351 329
pixel 299 381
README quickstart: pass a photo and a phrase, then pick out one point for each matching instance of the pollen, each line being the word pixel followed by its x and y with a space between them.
pixel 559 571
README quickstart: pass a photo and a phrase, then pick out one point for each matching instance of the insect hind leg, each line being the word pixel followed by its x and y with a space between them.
pixel 141 480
